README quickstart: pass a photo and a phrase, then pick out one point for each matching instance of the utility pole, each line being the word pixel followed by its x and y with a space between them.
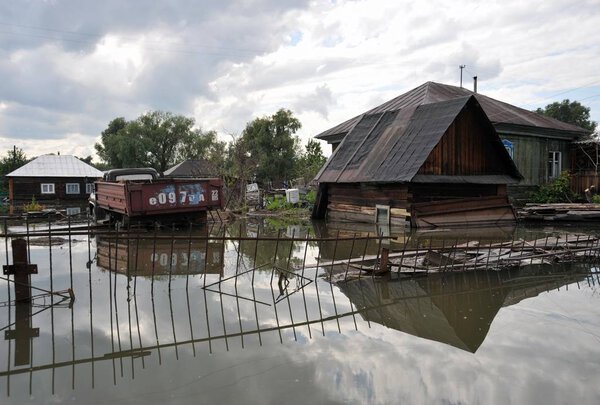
pixel 461 67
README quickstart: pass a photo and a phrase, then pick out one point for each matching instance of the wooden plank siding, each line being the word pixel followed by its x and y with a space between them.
pixel 531 157
pixel 26 188
pixel 466 148
pixel 481 211
pixel 357 202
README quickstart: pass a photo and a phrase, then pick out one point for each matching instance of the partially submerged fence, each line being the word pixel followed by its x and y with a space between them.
pixel 137 297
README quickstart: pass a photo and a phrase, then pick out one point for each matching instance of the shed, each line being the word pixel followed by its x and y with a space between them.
pixel 435 164
pixel 53 178
pixel 540 146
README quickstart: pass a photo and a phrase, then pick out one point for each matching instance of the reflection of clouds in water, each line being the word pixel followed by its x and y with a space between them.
pixel 523 360
pixel 543 349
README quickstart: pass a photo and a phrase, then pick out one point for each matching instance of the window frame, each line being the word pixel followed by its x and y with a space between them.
pixel 89 188
pixel 67 185
pixel 48 186
pixel 554 164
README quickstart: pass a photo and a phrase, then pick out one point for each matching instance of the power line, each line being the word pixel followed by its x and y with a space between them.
pixel 92 36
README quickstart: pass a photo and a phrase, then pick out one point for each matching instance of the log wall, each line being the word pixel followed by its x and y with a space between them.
pixel 356 202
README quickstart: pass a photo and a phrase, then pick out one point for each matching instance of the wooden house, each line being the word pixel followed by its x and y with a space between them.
pixel 52 178
pixel 434 164
pixel 540 146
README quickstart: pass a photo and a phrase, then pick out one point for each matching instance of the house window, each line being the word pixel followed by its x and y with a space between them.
pixel 554 164
pixel 510 147
pixel 382 214
pixel 72 188
pixel 73 211
pixel 89 188
pixel 47 188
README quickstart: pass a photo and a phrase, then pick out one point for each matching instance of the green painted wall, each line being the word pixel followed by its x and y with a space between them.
pixel 531 156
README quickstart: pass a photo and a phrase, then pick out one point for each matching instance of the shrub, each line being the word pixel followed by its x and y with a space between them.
pixel 33 206
pixel 557 191
pixel 278 203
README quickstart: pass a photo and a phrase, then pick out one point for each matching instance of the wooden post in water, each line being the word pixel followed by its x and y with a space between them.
pixel 21 269
pixel 384 260
pixel 23 332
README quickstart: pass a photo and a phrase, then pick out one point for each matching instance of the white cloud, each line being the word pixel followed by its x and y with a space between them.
pixel 69 69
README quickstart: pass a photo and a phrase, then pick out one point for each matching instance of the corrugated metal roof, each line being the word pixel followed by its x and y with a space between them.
pixel 392 146
pixel 56 166
pixel 498 112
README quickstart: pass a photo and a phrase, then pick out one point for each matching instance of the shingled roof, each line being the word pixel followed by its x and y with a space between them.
pixel 391 146
pixel 502 115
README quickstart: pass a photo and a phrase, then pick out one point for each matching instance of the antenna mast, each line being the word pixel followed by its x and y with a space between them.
pixel 461 67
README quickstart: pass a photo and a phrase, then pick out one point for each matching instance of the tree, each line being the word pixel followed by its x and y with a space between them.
pixel 311 161
pixel 204 146
pixel 154 139
pixel 272 145
pixel 109 148
pixel 571 112
pixel 14 159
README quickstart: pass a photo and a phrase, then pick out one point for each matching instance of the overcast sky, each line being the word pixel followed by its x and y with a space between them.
pixel 68 67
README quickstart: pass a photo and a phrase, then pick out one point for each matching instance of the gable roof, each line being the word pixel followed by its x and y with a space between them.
pixel 56 166
pixel 391 146
pixel 192 168
pixel 501 114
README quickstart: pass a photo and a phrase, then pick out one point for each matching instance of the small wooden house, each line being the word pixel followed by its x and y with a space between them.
pixel 540 146
pixel 435 164
pixel 52 178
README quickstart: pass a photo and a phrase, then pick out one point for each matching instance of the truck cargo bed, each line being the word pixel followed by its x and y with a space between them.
pixel 159 197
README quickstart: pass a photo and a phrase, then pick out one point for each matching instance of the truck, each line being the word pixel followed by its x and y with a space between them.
pixel 142 195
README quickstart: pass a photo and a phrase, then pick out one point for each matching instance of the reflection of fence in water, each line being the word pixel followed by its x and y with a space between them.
pixel 125 324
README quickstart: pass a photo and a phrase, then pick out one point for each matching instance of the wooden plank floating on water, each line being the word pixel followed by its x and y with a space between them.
pixel 470 256
pixel 560 212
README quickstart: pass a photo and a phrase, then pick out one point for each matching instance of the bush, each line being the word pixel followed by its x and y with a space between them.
pixel 557 191
pixel 311 196
pixel 278 203
pixel 33 206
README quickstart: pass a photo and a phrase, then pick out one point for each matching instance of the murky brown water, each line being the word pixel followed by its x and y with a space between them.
pixel 162 317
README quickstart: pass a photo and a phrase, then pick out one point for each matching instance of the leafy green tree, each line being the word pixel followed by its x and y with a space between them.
pixel 272 145
pixel 14 159
pixel 202 145
pixel 154 139
pixel 571 112
pixel 311 161
pixel 109 148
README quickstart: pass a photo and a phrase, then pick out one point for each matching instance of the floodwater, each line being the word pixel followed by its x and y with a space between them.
pixel 210 315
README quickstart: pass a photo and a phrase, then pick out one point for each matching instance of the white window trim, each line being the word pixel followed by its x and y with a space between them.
pixel 50 188
pixel 89 188
pixel 76 185
pixel 385 210
pixel 555 162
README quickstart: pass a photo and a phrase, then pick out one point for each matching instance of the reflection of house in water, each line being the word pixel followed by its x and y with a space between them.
pixel 352 238
pixel 456 309
pixel 149 256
